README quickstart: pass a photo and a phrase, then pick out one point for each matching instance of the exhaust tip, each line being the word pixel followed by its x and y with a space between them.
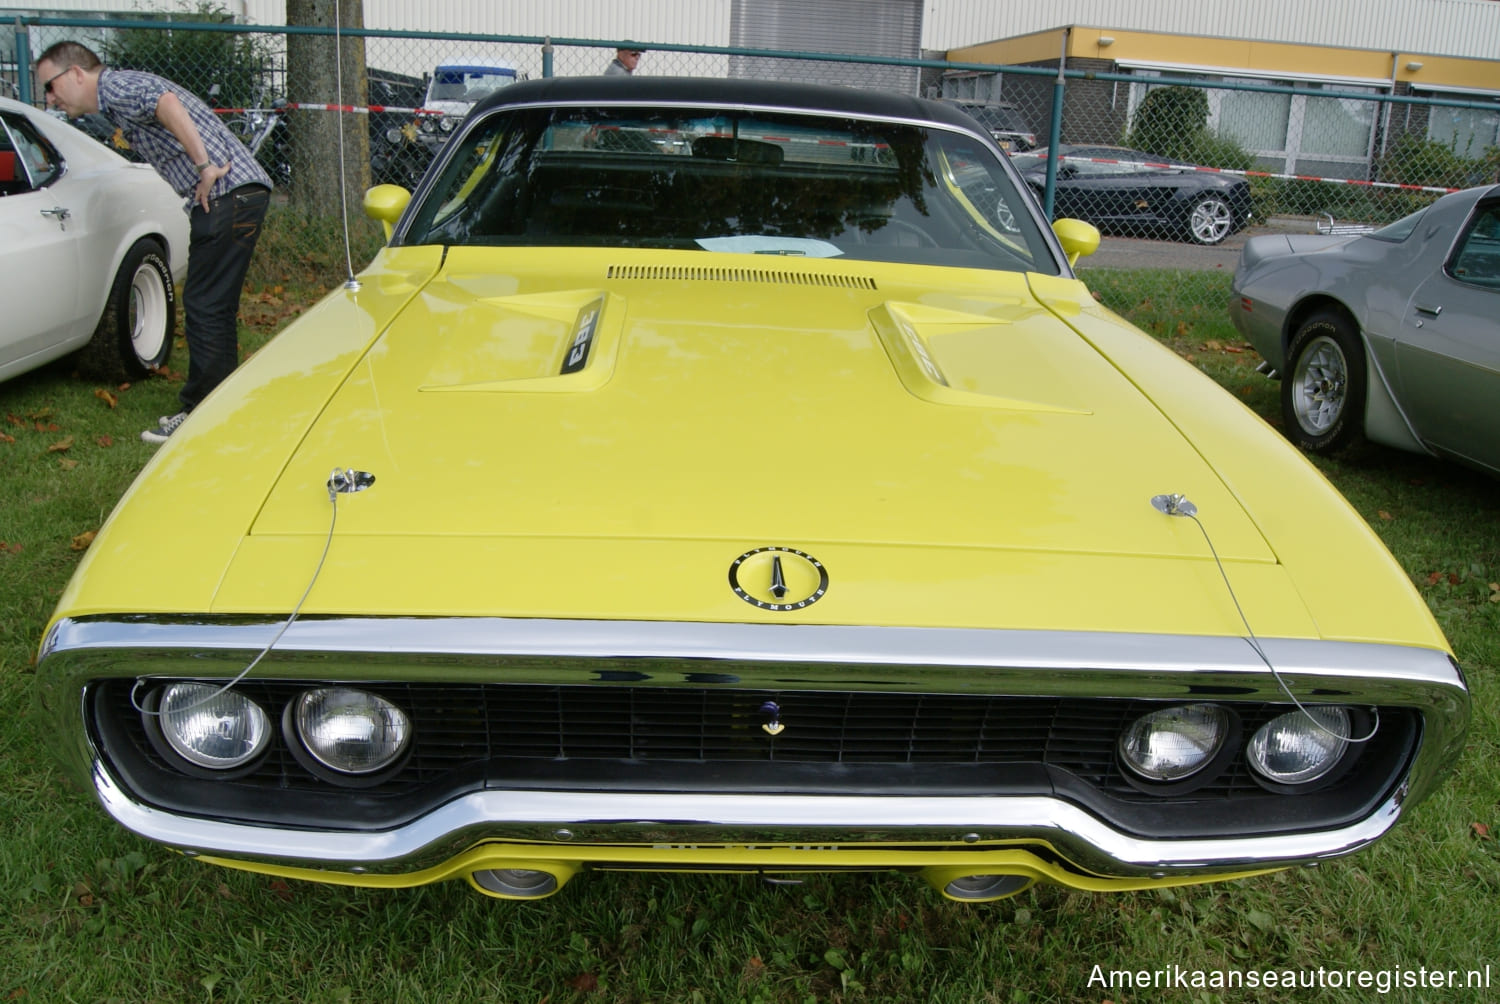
pixel 520 883
pixel 977 888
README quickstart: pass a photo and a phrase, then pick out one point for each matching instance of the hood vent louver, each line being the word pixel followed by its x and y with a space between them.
pixel 696 273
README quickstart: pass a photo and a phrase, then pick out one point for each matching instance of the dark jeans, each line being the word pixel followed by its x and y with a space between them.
pixel 219 247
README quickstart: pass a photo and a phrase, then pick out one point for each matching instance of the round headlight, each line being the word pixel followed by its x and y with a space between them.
pixel 445 124
pixel 426 125
pixel 1174 743
pixel 210 727
pixel 393 135
pixel 351 731
pixel 1300 746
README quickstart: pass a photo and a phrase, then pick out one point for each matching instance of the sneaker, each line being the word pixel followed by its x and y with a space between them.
pixel 166 425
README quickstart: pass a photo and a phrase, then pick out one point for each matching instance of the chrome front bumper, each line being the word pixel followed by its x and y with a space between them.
pixel 895 659
pixel 666 823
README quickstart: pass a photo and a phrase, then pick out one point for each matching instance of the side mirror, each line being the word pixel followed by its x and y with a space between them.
pixel 386 204
pixel 1078 239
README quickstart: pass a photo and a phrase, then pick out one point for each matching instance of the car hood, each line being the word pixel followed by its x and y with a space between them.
pixel 874 424
pixel 951 447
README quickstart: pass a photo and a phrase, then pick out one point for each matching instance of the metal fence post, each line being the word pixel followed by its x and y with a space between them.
pixel 547 56
pixel 1054 136
pixel 23 63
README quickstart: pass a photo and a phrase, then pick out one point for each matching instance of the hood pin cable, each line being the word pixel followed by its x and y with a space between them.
pixel 1179 505
pixel 342 481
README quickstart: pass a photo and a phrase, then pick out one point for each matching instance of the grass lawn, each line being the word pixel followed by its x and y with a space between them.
pixel 92 913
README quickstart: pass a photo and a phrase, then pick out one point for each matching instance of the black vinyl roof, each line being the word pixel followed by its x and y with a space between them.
pixel 848 101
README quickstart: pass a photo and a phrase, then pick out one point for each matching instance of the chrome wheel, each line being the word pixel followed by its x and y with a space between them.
pixel 1319 385
pixel 1211 220
pixel 1323 389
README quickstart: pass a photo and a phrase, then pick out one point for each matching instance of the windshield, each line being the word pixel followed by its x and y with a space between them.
pixel 739 182
pixel 467 84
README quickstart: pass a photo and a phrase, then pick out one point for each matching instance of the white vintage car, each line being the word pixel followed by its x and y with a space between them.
pixel 90 246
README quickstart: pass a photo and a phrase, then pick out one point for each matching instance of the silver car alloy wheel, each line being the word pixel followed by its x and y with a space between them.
pixel 1211 220
pixel 148 312
pixel 1319 384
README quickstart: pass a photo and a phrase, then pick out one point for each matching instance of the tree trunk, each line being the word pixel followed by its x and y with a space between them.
pixel 315 64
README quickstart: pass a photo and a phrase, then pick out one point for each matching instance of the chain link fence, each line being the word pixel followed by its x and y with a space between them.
pixel 1145 155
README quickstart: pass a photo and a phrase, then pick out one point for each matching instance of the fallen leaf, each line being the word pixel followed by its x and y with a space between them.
pixel 14 420
pixel 123 387
pixel 105 440
pixel 281 890
pixel 1233 348
pixel 584 982
pixel 1385 515
pixel 83 540
pixel 1213 345
pixel 62 445
pixel 1433 578
pixel 1480 830
pixel 47 427
pixel 1453 579
pixel 106 396
pixel 6 437
pixel 67 463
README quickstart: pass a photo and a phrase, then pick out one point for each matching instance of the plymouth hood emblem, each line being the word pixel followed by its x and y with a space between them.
pixel 778 578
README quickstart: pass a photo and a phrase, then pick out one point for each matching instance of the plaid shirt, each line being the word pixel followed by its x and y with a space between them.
pixel 129 97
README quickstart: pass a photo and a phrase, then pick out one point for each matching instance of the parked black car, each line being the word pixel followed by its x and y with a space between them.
pixel 1001 120
pixel 1123 190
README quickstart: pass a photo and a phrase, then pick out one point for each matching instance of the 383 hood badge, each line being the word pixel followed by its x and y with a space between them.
pixel 778 578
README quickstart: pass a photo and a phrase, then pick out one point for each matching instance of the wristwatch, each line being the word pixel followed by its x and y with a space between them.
pixel 200 168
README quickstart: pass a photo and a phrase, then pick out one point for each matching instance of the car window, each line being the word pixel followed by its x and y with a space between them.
pixel 737 181
pixel 27 161
pixel 1476 260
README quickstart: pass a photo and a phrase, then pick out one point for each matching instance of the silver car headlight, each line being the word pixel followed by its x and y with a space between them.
pixel 350 731
pixel 1174 743
pixel 211 727
pixel 1300 746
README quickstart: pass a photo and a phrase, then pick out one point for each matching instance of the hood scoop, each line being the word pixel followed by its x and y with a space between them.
pixel 958 357
pixel 698 273
pixel 562 341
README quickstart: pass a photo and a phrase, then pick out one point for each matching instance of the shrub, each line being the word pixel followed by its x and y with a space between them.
pixel 238 63
pixel 1170 122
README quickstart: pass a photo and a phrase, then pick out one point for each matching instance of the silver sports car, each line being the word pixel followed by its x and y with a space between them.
pixel 1393 336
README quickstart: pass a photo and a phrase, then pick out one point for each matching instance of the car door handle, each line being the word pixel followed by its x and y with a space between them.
pixel 60 213
pixel 1429 311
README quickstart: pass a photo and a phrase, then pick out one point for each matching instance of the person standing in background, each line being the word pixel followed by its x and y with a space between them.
pixel 624 63
pixel 228 193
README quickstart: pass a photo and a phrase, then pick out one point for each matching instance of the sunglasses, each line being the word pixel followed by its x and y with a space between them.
pixel 47 87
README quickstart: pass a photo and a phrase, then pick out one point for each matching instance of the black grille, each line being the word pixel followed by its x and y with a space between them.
pixel 712 738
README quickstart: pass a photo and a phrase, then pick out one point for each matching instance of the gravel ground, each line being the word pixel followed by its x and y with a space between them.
pixel 1134 252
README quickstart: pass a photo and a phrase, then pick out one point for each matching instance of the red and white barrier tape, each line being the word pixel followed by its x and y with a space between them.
pixel 1257 174
pixel 355 109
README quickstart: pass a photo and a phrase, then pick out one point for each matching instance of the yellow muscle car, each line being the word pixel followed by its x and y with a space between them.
pixel 734 476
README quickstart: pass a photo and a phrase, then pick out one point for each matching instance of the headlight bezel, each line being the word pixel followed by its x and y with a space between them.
pixel 160 734
pixel 1209 770
pixel 313 763
pixel 1360 723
